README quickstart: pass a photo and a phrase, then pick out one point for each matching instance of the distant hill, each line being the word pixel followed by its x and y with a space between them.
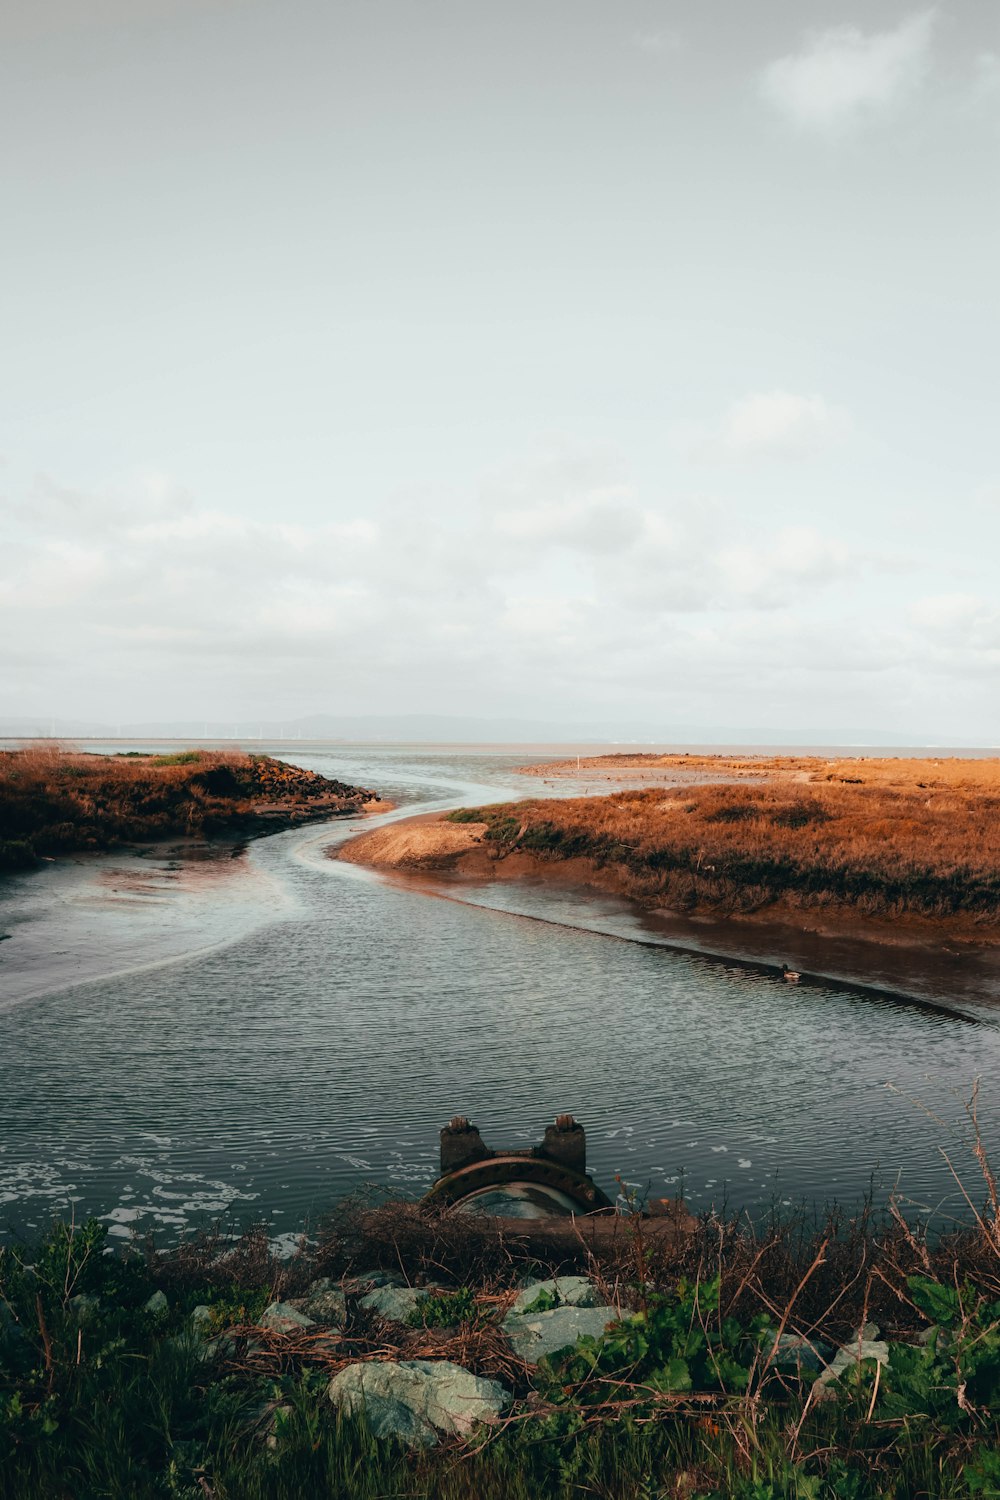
pixel 460 729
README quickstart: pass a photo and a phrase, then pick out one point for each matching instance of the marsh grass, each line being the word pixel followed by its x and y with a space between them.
pixel 879 848
pixel 53 799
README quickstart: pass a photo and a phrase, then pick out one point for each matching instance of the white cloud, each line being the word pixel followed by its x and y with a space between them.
pixel 844 76
pixel 987 76
pixel 767 424
pixel 556 576
pixel 795 557
pixel 963 621
pixel 599 521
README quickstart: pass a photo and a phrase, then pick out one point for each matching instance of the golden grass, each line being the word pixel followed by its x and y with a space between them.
pixel 897 771
pixel 883 838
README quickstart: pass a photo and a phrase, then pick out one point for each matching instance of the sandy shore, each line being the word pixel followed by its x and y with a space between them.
pixel 427 842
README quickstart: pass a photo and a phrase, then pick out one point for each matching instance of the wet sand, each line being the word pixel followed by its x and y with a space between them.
pixel 88 916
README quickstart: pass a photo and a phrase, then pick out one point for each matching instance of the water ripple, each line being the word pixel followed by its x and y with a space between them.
pixel 270 1076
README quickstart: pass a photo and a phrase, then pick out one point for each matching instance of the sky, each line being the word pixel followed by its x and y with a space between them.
pixel 630 362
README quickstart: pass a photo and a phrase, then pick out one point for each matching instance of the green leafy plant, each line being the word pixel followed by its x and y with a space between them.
pixel 544 1302
pixel 444 1309
pixel 677 1343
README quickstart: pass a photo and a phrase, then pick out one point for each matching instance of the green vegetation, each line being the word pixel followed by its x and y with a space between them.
pixel 444 1310
pixel 53 801
pixel 150 1375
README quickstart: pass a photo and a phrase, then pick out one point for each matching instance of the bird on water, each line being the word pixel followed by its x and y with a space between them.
pixel 792 975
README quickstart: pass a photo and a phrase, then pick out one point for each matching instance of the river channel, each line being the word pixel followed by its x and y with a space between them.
pixel 185 1040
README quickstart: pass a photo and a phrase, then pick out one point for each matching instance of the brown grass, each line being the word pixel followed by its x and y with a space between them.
pixel 929 772
pixel 53 799
pixel 819 1277
pixel 882 838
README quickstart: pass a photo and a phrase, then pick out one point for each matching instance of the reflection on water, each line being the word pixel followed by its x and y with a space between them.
pixel 294 1059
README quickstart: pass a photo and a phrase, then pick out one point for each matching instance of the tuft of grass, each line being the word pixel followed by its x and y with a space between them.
pixel 180 758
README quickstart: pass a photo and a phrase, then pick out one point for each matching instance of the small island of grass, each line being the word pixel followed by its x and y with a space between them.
pixel 55 801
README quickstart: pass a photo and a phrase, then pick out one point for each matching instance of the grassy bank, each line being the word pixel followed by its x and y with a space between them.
pixel 880 839
pixel 53 801
pixel 156 1375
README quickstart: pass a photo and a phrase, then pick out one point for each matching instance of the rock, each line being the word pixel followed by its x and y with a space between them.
pixel 157 1304
pixel 192 1337
pixel 83 1306
pixel 283 1318
pixel 221 1348
pixel 866 1345
pixel 389 1418
pixel 324 1302
pixel 366 1280
pixel 393 1302
pixel 325 1344
pixel 568 1291
pixel 802 1353
pixel 533 1335
pixel 408 1399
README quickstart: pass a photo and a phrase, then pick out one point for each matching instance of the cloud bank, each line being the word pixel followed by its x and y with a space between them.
pixel 553 587
pixel 842 77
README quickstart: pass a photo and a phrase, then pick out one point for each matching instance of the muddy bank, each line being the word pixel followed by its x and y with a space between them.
pixel 916 956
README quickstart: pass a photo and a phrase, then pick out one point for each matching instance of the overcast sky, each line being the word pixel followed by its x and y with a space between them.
pixel 562 358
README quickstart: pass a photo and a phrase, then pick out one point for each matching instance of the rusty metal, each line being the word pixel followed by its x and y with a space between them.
pixel 553 1174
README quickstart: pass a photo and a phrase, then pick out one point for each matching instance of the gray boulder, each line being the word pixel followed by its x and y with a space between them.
pixel 866 1345
pixel 533 1335
pixel 414 1399
pixel 568 1291
pixel 193 1336
pixel 157 1303
pixel 393 1302
pixel 83 1306
pixel 795 1350
pixel 283 1318
pixel 365 1280
pixel 324 1302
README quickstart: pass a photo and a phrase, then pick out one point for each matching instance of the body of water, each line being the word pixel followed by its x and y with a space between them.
pixel 184 1040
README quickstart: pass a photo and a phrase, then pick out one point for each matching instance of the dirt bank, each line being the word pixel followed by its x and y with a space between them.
pixel 427 842
pixel 431 845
